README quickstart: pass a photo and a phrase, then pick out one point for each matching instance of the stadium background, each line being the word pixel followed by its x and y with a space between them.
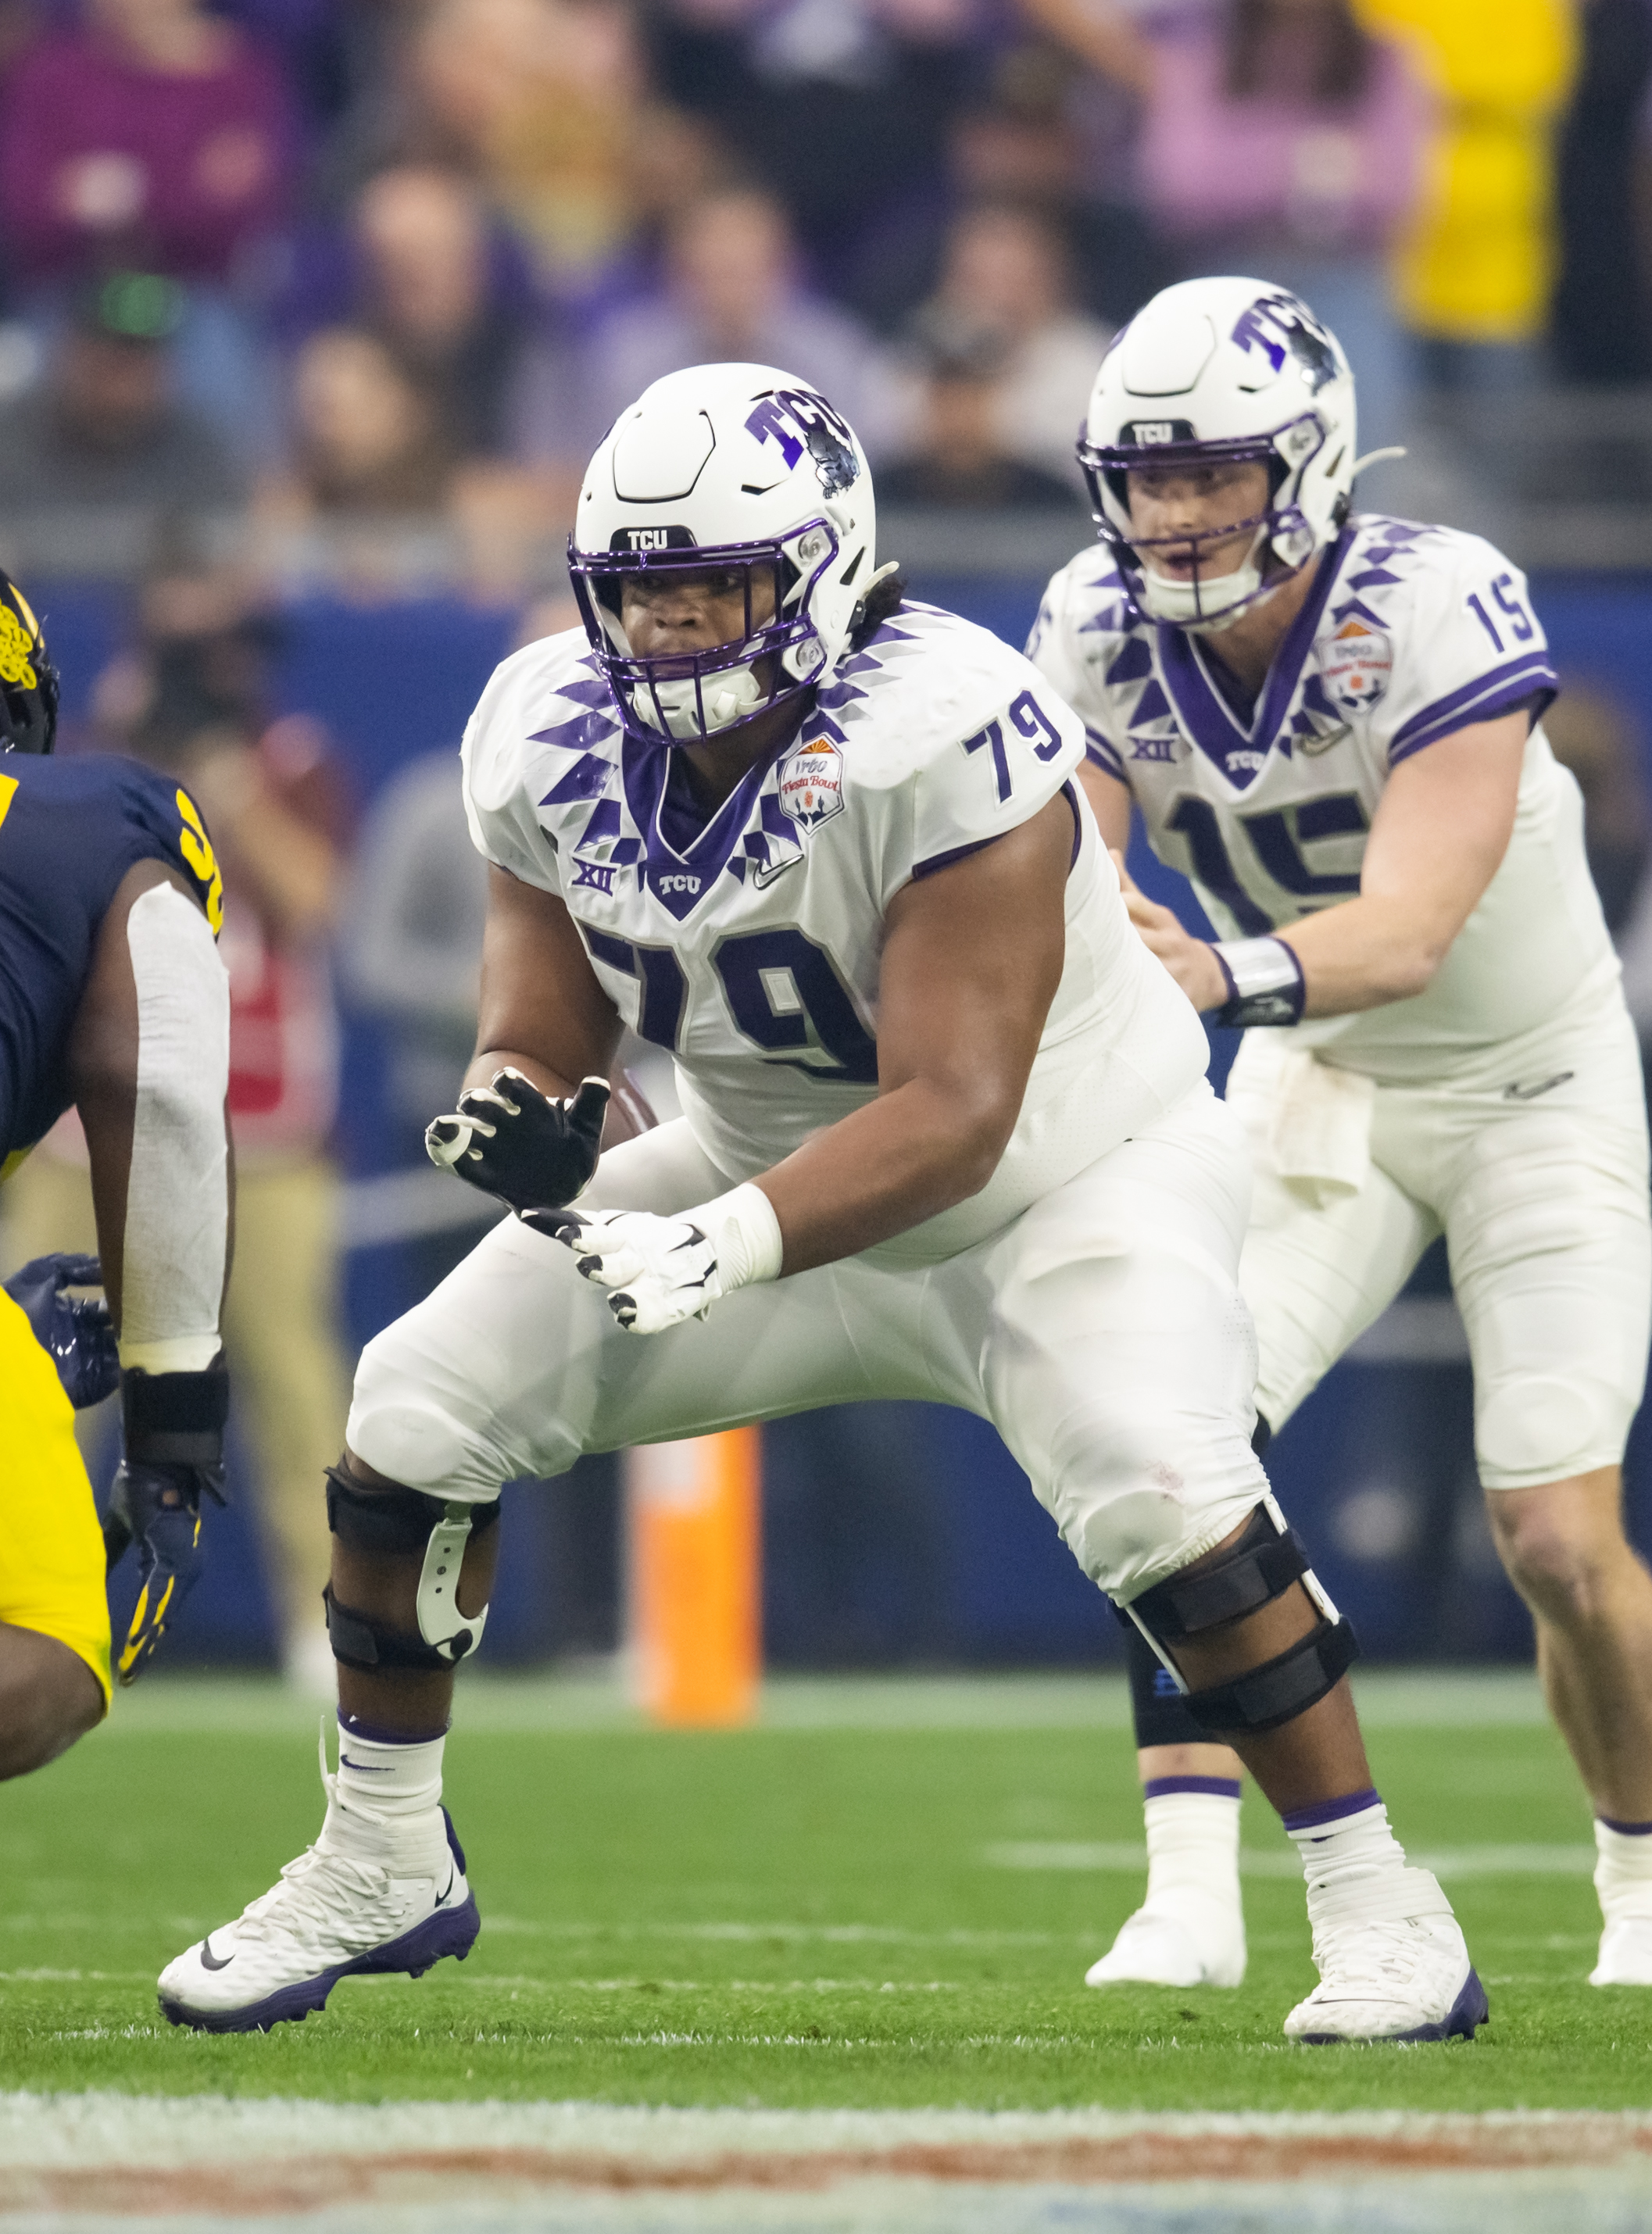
pixel 1514 366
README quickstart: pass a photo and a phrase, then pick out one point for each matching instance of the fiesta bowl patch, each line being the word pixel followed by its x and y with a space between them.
pixel 1356 665
pixel 811 785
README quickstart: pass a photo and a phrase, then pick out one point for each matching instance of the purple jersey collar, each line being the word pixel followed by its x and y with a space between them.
pixel 1203 710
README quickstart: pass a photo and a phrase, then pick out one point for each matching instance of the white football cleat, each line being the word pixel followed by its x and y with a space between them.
pixel 1625 1953
pixel 1190 1939
pixel 371 1896
pixel 1392 1966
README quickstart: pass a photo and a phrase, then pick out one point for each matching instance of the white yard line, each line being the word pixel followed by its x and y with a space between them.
pixel 79 2131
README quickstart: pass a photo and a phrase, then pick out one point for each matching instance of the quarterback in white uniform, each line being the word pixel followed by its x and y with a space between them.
pixel 825 846
pixel 1331 723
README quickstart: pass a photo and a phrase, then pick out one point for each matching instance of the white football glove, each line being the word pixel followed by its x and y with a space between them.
pixel 660 1272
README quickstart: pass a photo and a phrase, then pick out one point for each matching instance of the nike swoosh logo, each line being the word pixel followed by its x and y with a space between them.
pixel 364 1768
pixel 1530 1093
pixel 441 1901
pixel 210 1962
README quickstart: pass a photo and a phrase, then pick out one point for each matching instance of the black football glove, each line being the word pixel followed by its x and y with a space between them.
pixel 174 1456
pixel 73 1330
pixel 509 1140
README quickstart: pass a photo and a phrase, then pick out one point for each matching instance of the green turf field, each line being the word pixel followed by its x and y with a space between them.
pixel 886 1897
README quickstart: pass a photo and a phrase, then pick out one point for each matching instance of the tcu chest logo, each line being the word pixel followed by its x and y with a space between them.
pixel 810 785
pixel 677 882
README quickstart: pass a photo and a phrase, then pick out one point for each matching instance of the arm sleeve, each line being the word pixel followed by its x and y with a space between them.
pixel 1477 650
pixel 993 777
pixel 177 1219
pixel 1049 649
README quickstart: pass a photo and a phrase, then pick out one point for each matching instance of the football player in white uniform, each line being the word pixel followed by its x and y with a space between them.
pixel 824 846
pixel 1330 721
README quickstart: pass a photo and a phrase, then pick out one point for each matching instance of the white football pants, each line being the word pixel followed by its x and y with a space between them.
pixel 1533 1165
pixel 1102 1332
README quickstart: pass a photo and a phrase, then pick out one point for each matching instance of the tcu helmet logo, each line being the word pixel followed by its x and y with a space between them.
pixel 800 420
pixel 810 784
pixel 1280 326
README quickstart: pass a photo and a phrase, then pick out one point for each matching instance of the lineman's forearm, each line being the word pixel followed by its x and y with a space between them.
pixel 907 1156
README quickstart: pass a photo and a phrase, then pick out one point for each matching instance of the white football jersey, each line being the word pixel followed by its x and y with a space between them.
pixel 1411 632
pixel 749 945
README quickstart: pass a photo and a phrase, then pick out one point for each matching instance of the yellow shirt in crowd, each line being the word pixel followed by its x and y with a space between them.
pixel 1477 261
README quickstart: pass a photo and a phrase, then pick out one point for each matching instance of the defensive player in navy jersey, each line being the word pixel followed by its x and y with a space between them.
pixel 1331 720
pixel 114 1002
pixel 946 1134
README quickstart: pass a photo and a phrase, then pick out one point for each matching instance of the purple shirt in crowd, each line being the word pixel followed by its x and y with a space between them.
pixel 99 153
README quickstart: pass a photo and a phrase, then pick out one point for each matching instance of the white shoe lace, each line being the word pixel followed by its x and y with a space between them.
pixel 1385 1957
pixel 318 1903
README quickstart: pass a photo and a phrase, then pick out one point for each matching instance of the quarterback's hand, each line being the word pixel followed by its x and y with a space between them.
pixel 158 1506
pixel 73 1330
pixel 1189 961
pixel 510 1139
pixel 658 1271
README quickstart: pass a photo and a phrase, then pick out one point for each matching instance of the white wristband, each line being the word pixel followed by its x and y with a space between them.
pixel 743 1230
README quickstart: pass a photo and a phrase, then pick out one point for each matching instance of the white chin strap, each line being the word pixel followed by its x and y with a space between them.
pixel 726 698
pixel 1206 606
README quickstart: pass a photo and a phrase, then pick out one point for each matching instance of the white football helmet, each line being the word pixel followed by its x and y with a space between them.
pixel 1222 371
pixel 726 466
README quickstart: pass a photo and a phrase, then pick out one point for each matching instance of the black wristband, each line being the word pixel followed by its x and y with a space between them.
pixel 1265 982
pixel 175 1419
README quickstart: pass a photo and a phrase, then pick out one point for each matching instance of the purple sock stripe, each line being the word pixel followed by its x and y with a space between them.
pixel 1331 1810
pixel 1627 1830
pixel 353 1727
pixel 1218 1788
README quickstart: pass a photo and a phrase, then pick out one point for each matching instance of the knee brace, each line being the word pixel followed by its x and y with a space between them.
pixel 1261 1567
pixel 399 1524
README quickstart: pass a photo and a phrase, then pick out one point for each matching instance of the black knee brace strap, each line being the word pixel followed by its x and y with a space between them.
pixel 391 1523
pixel 1280 1690
pixel 1259 1568
pixel 359 1641
pixel 405 1524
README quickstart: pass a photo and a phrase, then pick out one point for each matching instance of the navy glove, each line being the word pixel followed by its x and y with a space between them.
pixel 510 1139
pixel 74 1331
pixel 174 1456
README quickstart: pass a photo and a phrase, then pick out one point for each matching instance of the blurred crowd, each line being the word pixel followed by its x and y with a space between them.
pixel 358 283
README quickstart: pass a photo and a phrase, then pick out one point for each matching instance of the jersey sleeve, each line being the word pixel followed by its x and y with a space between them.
pixel 994 774
pixel 158 810
pixel 499 801
pixel 1051 650
pixel 1475 649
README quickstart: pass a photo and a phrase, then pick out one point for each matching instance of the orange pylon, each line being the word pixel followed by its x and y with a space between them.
pixel 694 1590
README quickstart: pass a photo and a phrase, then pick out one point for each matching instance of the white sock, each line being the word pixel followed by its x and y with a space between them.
pixel 1193 1844
pixel 385 1801
pixel 1623 1873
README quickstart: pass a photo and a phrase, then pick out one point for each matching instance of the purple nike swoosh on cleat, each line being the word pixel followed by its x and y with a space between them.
pixel 210 1962
pixel 449 1932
